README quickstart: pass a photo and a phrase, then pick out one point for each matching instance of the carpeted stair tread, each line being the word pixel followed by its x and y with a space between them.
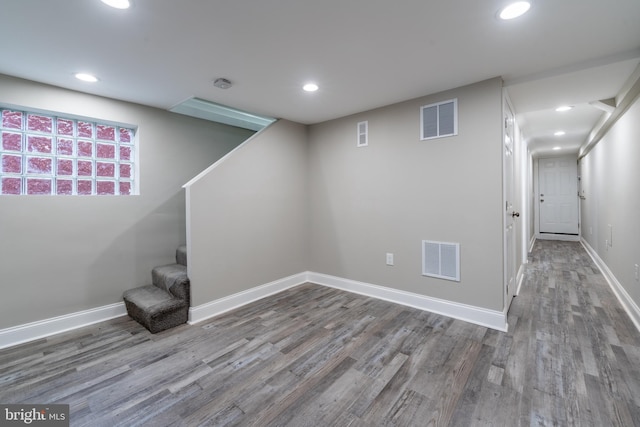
pixel 154 308
pixel 181 255
pixel 165 303
pixel 172 278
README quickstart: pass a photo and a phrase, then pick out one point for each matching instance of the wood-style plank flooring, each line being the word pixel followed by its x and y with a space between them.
pixel 316 356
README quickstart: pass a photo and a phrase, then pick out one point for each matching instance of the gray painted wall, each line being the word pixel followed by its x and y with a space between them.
pixel 295 198
pixel 611 183
pixel 60 255
pixel 389 196
pixel 249 215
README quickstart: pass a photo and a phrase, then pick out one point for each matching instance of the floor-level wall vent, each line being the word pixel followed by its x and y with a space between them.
pixel 441 260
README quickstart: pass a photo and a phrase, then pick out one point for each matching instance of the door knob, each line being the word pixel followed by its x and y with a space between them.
pixel 515 214
pixel 541 200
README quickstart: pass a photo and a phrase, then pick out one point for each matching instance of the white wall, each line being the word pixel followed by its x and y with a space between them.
pixel 391 195
pixel 248 215
pixel 531 198
pixel 521 201
pixel 611 184
pixel 63 254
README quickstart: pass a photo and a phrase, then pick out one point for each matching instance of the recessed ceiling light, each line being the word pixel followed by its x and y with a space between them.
pixel 514 10
pixel 559 133
pixel 310 87
pixel 564 108
pixel 118 4
pixel 557 148
pixel 86 77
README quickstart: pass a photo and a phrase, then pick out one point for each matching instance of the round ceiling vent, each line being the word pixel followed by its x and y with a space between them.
pixel 222 83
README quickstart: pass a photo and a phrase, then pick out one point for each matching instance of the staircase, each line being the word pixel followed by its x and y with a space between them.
pixel 165 303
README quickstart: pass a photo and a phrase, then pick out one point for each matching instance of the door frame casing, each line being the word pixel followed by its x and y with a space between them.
pixel 536 206
pixel 508 297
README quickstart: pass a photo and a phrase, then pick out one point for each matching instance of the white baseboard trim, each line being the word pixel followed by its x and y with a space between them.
pixel 531 243
pixel 625 299
pixel 477 315
pixel 563 237
pixel 44 328
pixel 205 311
pixel 520 278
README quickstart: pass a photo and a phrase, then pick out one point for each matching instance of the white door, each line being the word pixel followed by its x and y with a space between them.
pixel 558 195
pixel 510 214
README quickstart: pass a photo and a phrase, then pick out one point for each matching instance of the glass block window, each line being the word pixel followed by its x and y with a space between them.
pixel 51 155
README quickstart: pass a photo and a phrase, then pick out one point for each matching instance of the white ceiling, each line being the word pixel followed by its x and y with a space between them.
pixel 363 53
pixel 537 97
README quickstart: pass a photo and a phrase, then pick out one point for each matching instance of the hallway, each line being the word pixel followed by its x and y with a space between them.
pixel 575 354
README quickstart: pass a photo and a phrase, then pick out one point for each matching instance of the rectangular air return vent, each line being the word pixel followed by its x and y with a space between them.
pixel 441 260
pixel 363 134
pixel 439 120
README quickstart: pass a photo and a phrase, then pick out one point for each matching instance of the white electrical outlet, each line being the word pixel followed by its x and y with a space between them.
pixel 637 272
pixel 389 259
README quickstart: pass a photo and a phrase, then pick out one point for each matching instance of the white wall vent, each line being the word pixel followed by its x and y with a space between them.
pixel 363 134
pixel 441 260
pixel 439 120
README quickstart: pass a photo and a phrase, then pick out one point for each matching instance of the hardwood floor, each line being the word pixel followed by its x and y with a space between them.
pixel 316 356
